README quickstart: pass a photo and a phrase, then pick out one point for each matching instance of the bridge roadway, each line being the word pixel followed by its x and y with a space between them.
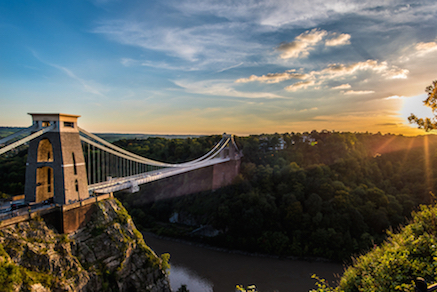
pixel 132 182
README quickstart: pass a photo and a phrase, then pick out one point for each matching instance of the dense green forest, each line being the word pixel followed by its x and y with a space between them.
pixel 324 194
pixel 12 173
pixel 12 167
pixel 170 150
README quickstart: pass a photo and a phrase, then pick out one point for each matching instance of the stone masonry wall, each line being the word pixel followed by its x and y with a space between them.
pixel 204 179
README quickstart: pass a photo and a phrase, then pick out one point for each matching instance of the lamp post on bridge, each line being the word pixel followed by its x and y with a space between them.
pixel 55 163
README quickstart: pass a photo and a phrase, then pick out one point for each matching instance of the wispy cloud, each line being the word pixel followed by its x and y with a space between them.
pixel 274 77
pixel 88 85
pixel 231 67
pixel 359 92
pixel 206 45
pixel 338 70
pixel 342 86
pixel 425 48
pixel 220 88
pixel 299 85
pixel 338 40
pixel 393 97
pixel 302 44
pixel 308 109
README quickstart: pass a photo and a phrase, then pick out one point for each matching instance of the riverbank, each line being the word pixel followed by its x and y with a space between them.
pixel 201 244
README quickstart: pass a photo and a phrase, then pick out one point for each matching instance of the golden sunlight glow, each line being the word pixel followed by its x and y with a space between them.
pixel 404 160
pixel 383 146
pixel 428 170
pixel 414 105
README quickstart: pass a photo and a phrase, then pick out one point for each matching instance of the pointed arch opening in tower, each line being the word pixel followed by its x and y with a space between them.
pixel 44 184
pixel 45 151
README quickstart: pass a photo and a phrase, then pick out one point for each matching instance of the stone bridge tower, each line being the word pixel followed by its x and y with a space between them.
pixel 55 163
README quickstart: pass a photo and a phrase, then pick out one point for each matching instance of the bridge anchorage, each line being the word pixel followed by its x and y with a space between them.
pixel 72 167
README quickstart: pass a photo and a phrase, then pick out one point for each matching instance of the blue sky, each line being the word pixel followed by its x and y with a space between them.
pixel 206 67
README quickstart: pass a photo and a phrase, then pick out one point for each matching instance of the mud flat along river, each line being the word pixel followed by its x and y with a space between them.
pixel 210 270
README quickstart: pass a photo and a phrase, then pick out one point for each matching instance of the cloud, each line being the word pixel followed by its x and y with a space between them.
pixel 127 62
pixel 394 97
pixel 343 86
pixel 335 70
pixel 397 73
pixel 331 72
pixel 161 38
pixel 308 13
pixel 305 42
pixel 425 48
pixel 167 66
pixel 353 92
pixel 308 109
pixel 389 124
pixel 338 70
pixel 338 40
pixel 299 85
pixel 302 44
pixel 230 67
pixel 274 77
pixel 222 45
pixel 220 88
pixel 88 85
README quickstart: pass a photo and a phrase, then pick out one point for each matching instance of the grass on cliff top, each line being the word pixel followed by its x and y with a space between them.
pixel 13 275
pixel 398 261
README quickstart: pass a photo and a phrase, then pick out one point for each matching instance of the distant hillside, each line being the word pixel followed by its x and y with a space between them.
pixel 6 131
pixel 111 137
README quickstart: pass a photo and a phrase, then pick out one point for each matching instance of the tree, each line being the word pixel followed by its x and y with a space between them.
pixel 427 123
pixel 183 288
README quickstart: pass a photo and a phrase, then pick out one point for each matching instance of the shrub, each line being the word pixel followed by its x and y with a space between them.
pixel 399 260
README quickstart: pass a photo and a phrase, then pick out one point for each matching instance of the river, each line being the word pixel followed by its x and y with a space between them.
pixel 209 270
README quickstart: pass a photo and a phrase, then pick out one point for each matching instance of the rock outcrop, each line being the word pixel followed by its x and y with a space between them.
pixel 109 254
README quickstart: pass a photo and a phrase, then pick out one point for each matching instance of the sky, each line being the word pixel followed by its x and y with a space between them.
pixel 208 67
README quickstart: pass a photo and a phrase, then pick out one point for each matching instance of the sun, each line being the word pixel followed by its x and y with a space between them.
pixel 414 105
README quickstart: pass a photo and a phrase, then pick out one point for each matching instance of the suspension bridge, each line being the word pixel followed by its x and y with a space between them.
pixel 69 165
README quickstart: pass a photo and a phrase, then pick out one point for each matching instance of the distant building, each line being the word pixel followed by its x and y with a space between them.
pixel 308 139
pixel 281 145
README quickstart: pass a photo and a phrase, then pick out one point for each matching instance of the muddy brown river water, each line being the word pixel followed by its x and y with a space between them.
pixel 209 270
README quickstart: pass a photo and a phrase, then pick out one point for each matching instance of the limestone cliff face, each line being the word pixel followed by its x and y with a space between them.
pixel 109 254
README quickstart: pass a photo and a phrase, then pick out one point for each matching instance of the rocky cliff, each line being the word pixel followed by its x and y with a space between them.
pixel 109 254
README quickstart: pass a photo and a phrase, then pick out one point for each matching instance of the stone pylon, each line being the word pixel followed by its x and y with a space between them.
pixel 55 163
